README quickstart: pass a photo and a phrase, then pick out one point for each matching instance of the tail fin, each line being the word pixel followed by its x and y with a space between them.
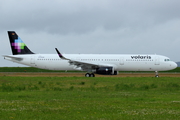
pixel 17 45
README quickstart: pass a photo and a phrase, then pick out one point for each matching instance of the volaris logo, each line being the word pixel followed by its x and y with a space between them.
pixel 18 45
pixel 141 57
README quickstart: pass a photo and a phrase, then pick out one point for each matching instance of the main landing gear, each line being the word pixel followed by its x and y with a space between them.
pixel 89 75
pixel 156 74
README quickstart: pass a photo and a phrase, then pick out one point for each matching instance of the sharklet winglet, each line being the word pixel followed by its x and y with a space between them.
pixel 60 55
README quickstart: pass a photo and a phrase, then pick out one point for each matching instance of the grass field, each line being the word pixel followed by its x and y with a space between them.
pixel 80 98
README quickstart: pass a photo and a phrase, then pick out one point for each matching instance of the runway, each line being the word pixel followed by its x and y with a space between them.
pixel 67 74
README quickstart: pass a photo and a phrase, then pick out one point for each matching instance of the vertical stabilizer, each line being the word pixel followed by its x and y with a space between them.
pixel 17 45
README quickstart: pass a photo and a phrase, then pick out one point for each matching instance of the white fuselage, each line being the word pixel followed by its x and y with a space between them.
pixel 120 62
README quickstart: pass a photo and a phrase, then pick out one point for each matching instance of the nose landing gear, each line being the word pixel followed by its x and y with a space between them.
pixel 156 74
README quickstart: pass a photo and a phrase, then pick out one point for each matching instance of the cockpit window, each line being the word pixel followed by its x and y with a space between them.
pixel 166 59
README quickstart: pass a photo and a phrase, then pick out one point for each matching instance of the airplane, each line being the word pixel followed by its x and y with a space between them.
pixel 105 64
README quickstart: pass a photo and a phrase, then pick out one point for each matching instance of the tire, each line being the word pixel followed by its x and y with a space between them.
pixel 92 75
pixel 87 75
pixel 156 76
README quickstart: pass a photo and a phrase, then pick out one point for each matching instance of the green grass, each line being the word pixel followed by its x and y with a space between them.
pixel 79 98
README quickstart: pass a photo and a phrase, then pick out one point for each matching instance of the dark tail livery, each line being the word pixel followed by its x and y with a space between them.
pixel 17 45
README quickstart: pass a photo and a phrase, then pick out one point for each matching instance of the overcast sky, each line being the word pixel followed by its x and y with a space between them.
pixel 92 26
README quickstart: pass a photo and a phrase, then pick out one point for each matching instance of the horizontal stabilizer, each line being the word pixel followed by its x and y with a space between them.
pixel 12 58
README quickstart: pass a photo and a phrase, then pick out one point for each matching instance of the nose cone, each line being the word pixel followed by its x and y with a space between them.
pixel 173 65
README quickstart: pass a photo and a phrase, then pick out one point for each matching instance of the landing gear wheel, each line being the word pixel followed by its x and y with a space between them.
pixel 156 76
pixel 92 75
pixel 87 75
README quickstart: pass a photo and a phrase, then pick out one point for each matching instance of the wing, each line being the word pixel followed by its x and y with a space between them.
pixel 86 66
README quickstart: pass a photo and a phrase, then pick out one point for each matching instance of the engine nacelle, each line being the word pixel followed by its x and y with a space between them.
pixel 104 70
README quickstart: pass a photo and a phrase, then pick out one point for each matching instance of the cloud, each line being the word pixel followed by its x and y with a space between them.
pixel 103 26
pixel 64 17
